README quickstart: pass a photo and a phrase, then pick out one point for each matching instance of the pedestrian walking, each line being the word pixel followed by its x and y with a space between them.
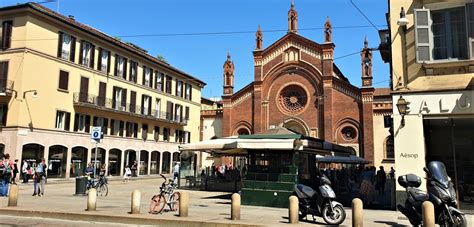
pixel 392 173
pixel 381 179
pixel 134 169
pixel 15 171
pixel 176 172
pixel 41 177
pixel 127 174
pixel 26 171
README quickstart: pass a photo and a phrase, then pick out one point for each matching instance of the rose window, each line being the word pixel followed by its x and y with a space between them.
pixel 349 133
pixel 293 98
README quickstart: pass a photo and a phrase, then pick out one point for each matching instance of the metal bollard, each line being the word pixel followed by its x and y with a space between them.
pixel 91 199
pixel 13 196
pixel 136 197
pixel 428 214
pixel 235 207
pixel 293 209
pixel 357 213
pixel 183 204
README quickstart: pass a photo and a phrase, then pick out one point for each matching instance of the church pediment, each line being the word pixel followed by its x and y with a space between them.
pixel 289 48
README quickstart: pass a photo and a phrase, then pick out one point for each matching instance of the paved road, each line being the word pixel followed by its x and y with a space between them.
pixel 15 221
pixel 204 207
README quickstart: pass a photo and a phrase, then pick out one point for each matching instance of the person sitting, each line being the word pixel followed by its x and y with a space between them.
pixel 89 172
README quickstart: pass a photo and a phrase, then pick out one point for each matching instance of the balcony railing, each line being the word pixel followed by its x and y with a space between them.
pixel 98 102
pixel 6 86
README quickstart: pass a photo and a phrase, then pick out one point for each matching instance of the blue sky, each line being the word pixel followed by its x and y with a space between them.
pixel 203 55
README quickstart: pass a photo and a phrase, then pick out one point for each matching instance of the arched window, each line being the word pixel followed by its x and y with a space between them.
pixel 389 150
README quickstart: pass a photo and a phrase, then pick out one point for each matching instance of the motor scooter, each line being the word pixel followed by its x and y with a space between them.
pixel 320 202
pixel 440 192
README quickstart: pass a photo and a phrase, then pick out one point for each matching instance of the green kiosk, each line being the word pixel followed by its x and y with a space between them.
pixel 275 162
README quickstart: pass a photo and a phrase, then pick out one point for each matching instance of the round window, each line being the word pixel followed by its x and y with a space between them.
pixel 293 99
pixel 349 133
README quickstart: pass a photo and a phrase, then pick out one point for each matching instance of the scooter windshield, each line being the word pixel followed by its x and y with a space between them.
pixel 438 172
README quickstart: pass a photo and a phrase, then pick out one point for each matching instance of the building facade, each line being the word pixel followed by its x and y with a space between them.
pixel 432 70
pixel 297 85
pixel 59 78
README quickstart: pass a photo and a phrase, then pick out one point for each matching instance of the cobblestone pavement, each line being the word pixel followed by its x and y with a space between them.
pixel 205 207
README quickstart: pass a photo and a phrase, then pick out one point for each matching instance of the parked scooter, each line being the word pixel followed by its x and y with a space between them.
pixel 440 192
pixel 320 202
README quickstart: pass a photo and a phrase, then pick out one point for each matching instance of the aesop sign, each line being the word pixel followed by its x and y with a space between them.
pixel 408 155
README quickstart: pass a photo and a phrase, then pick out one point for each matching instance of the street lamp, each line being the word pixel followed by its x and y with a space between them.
pixel 402 106
pixel 403 21
pixel 35 93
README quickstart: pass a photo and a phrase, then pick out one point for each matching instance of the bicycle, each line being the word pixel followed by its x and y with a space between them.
pixel 167 196
pixel 100 186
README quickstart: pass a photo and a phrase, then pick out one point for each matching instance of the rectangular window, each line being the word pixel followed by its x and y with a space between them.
pixel 118 99
pixel 168 84
pixel 179 88
pixel 82 123
pixel 129 129
pixel 101 122
pixel 449 34
pixel 133 71
pixel 3 114
pixel 63 80
pixel 186 113
pixel 159 81
pixel 146 76
pixel 178 113
pixel 187 94
pixel 7 27
pixel 156 133
pixel 87 54
pixel 104 61
pixel 120 66
pixel 146 104
pixel 66 47
pixel 166 134
pixel 62 120
pixel 115 127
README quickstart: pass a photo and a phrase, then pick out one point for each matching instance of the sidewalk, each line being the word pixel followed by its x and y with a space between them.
pixel 205 209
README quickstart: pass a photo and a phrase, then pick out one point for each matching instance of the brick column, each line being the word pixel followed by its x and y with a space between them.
pixel 367 124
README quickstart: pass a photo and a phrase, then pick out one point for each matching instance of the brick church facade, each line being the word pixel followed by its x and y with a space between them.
pixel 297 85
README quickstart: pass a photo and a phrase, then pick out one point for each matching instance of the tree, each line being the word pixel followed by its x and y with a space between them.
pixel 161 58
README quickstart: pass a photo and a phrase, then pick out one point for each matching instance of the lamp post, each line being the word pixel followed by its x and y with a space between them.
pixel 402 106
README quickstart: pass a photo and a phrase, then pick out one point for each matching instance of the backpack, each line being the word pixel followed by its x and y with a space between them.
pixel 3 169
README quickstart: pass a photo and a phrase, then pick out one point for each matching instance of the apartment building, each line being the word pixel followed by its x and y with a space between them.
pixel 59 78
pixel 432 65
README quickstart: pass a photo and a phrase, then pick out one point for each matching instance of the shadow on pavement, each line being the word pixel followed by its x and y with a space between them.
pixel 390 223
pixel 224 196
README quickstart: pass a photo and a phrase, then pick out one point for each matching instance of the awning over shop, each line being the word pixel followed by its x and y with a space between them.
pixel 352 159
pixel 278 141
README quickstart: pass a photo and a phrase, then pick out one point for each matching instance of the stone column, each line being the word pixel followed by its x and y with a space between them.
pixel 68 162
pixel 160 156
pixel 149 163
pixel 106 162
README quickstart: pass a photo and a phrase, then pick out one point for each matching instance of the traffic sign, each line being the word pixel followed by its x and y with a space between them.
pixel 96 133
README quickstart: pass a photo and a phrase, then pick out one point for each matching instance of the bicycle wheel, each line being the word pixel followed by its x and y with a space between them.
pixel 174 201
pixel 157 204
pixel 102 190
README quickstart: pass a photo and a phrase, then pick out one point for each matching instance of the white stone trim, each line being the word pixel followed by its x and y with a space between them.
pixel 239 100
pixel 282 48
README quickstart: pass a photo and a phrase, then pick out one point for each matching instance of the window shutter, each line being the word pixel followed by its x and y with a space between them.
pixel 133 101
pixel 81 50
pixel 143 104
pixel 470 26
pixel 190 92
pixel 162 82
pixel 116 64
pixel 156 133
pixel 67 120
pixel 121 128
pixel 143 75
pixel 105 126
pixel 189 137
pixel 60 44
pixel 114 92
pixel 63 80
pixel 151 78
pixel 186 116
pixel 91 63
pixel 112 123
pixel 108 62
pixel 4 115
pixel 125 68
pixel 99 60
pixel 7 34
pixel 88 123
pixel 176 88
pixel 72 56
pixel 149 106
pixel 76 122
pixel 423 34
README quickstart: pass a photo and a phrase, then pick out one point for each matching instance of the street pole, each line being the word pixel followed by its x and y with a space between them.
pixel 95 158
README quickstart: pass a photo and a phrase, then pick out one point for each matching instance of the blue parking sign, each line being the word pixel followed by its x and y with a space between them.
pixel 96 133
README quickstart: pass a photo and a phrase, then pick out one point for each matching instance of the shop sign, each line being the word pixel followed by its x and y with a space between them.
pixel 439 103
pixel 408 155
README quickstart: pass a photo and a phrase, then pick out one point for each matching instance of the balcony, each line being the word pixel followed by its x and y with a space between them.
pixel 107 104
pixel 6 87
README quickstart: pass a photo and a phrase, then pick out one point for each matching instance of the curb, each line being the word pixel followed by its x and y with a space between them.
pixel 118 219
